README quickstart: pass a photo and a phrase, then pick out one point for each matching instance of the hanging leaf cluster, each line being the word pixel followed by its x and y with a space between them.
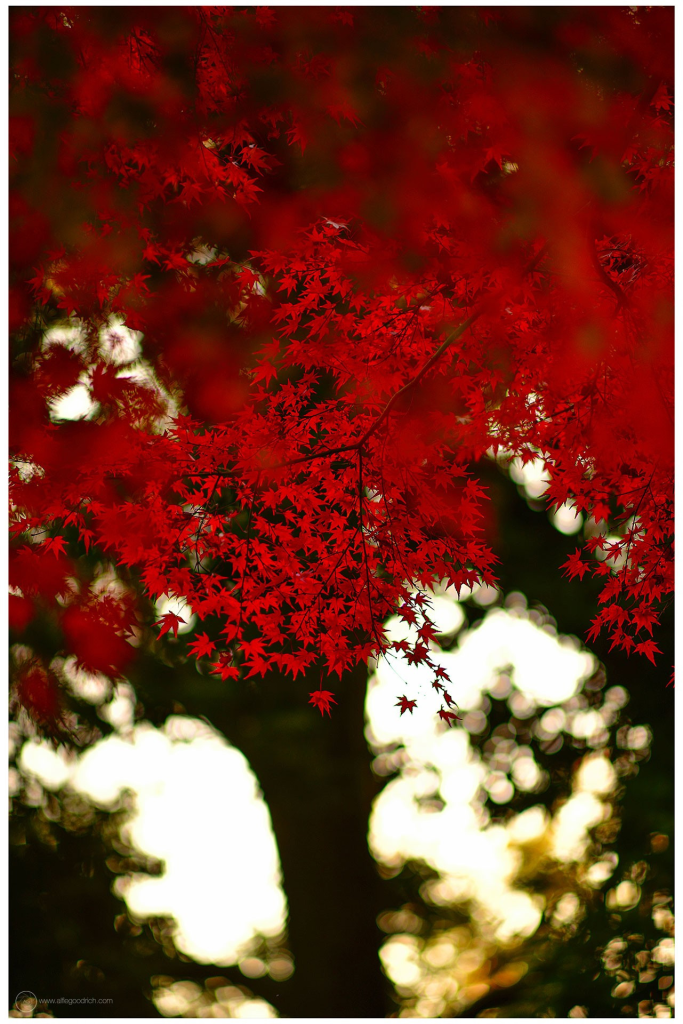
pixel 306 267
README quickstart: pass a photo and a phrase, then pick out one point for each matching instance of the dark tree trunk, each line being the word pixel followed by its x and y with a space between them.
pixel 318 784
pixel 317 781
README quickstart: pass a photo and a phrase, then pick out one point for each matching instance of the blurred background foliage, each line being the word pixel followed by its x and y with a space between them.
pixel 365 937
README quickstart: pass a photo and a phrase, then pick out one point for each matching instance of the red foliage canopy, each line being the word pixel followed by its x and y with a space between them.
pixel 307 267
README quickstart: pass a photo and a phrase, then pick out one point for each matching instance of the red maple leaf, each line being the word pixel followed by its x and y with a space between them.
pixel 170 621
pixel 55 544
pixel 406 705
pixel 225 667
pixel 447 716
pixel 575 566
pixel 322 700
pixel 202 646
pixel 649 649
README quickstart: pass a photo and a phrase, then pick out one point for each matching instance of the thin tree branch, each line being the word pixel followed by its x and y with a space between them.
pixel 434 358
pixel 457 333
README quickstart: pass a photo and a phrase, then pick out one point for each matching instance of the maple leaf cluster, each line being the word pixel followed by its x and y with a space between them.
pixel 347 258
